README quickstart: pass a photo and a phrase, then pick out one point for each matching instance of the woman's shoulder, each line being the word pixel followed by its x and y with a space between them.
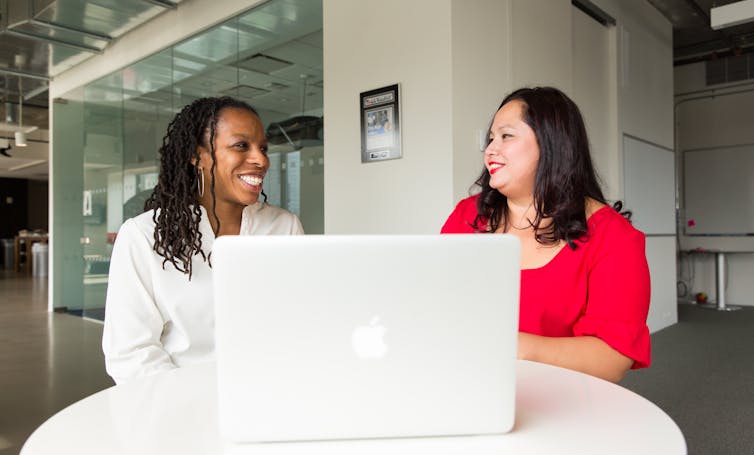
pixel 462 217
pixel 608 223
pixel 267 211
pixel 466 207
pixel 140 226
pixel 468 202
pixel 143 222
pixel 270 219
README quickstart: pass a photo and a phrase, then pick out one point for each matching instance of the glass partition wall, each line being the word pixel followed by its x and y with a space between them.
pixel 270 57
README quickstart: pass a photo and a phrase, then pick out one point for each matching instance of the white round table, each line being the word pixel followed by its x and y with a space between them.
pixel 557 411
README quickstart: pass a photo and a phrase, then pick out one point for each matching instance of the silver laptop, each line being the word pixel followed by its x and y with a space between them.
pixel 347 337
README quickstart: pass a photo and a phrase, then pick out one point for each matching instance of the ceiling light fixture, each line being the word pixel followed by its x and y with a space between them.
pixel 732 14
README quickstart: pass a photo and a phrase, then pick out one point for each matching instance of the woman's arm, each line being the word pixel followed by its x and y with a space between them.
pixel 611 336
pixel 586 354
pixel 133 328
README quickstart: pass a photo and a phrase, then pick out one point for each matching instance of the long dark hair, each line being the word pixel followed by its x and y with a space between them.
pixel 176 234
pixel 565 176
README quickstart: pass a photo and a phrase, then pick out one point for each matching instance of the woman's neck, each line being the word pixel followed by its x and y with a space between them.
pixel 521 212
pixel 230 216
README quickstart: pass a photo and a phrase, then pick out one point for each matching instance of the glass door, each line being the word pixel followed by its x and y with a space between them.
pixel 147 110
pixel 103 187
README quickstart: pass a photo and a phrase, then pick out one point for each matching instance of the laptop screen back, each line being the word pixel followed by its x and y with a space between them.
pixel 341 337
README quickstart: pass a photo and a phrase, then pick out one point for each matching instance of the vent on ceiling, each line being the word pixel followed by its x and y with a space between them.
pixel 245 91
pixel 276 86
pixel 263 63
pixel 730 69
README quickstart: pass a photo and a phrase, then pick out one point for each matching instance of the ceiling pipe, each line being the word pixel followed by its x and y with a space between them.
pixel 18 73
pixel 719 54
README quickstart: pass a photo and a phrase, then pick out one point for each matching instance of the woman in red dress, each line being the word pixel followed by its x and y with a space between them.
pixel 584 275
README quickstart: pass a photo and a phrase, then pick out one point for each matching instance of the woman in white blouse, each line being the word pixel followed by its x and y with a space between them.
pixel 159 313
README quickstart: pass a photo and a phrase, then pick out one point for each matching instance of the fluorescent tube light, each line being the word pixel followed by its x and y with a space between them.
pixel 732 14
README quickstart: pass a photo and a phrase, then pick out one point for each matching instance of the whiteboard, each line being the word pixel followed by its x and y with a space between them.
pixel 719 191
pixel 649 186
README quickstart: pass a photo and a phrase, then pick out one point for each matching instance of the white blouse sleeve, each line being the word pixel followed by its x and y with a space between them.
pixel 297 228
pixel 133 322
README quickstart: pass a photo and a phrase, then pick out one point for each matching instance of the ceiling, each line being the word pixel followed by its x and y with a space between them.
pixel 42 38
pixel 277 66
pixel 693 38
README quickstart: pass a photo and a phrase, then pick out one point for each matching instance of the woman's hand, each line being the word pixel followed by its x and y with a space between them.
pixel 586 354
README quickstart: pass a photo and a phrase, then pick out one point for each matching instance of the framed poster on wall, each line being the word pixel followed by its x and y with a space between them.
pixel 380 124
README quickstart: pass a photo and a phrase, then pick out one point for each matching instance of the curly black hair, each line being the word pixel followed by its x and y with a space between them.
pixel 174 201
pixel 565 176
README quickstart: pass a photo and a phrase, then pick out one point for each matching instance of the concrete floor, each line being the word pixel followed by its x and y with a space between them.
pixel 47 360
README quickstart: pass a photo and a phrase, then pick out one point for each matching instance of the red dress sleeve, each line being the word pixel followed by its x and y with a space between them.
pixel 618 292
pixel 462 219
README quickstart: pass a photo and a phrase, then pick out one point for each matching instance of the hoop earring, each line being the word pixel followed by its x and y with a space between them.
pixel 200 181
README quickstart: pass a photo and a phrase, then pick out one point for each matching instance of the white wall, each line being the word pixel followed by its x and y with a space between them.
pixel 402 42
pixel 595 92
pixel 646 73
pixel 708 118
pixel 663 309
pixel 541 44
pixel 481 77
pixel 644 66
pixel 715 121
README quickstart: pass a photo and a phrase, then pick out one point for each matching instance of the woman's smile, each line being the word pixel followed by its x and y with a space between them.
pixel 494 166
pixel 253 181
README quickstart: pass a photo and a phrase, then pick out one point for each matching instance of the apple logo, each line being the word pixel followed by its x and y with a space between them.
pixel 368 341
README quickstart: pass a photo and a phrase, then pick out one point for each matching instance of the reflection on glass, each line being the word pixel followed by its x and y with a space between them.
pixel 270 57
pixel 147 108
pixel 212 46
pixel 103 159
